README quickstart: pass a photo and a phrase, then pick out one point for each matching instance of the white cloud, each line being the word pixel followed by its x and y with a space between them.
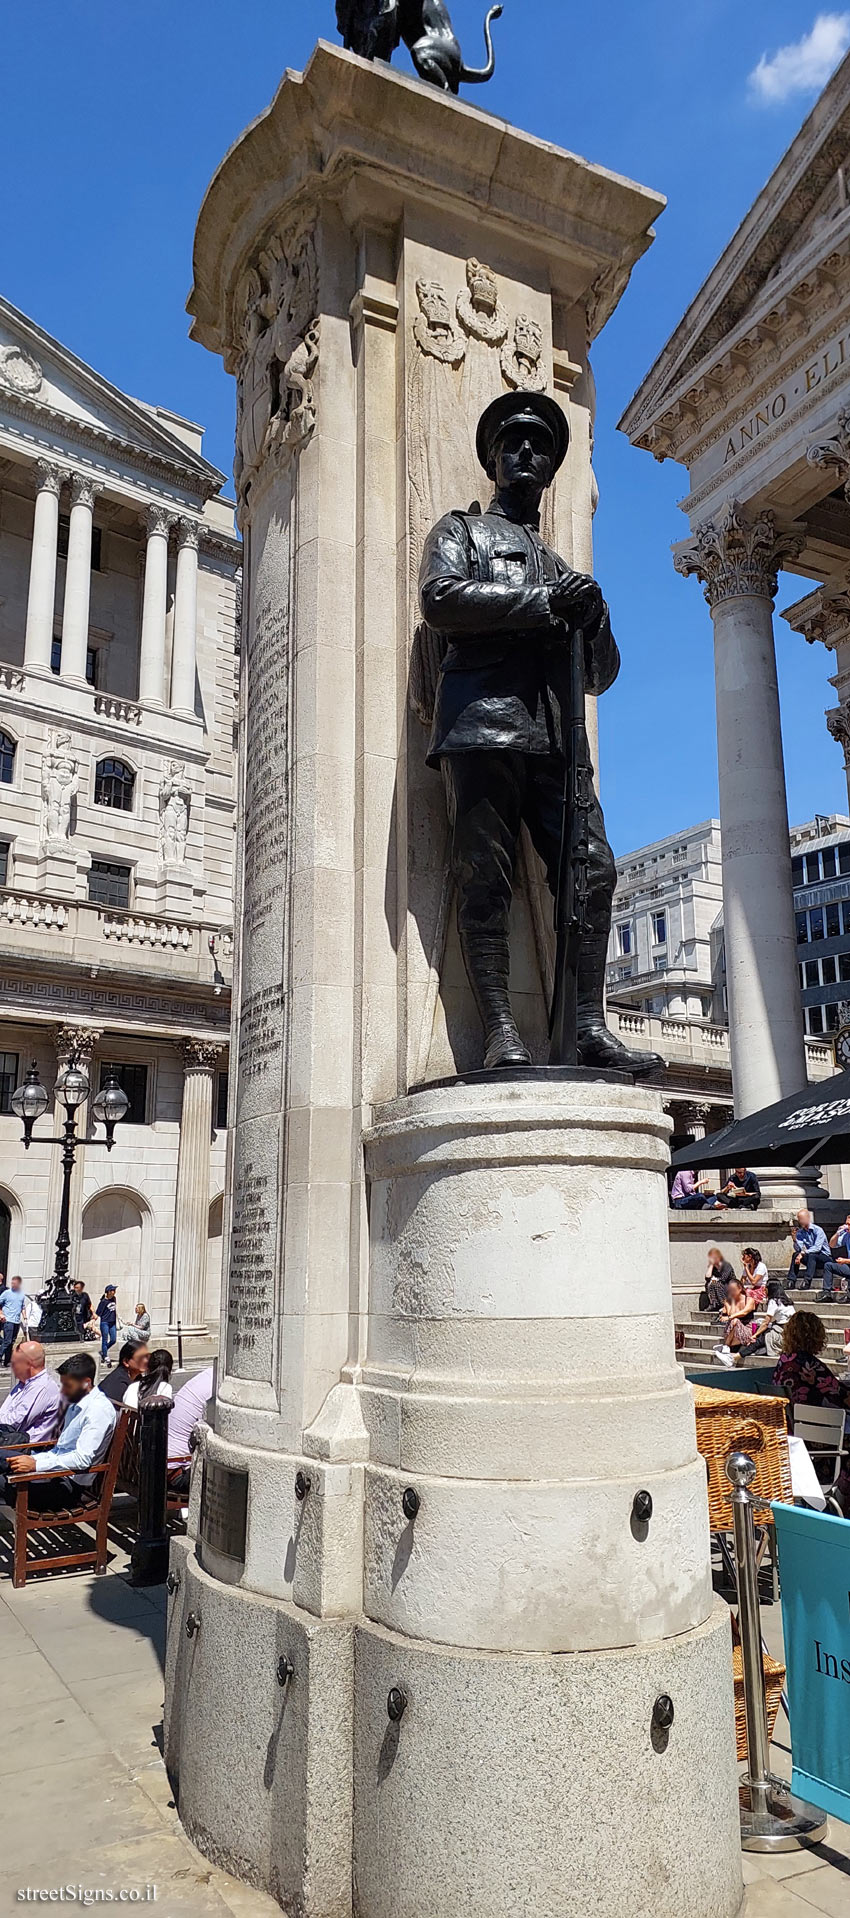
pixel 805 66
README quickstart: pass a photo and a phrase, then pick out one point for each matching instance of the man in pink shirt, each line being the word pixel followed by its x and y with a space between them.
pixel 35 1405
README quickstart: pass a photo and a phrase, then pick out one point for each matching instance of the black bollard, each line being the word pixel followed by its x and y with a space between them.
pixel 149 1561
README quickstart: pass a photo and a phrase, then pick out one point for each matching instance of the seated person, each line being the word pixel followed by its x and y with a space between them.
pixel 771 1322
pixel 153 1383
pixel 737 1321
pixel 718 1274
pixel 686 1194
pixel 189 1408
pixel 839 1246
pixel 754 1276
pixel 805 1380
pixel 87 1428
pixel 32 1410
pixel 741 1193
pixel 810 1255
pixel 139 1332
pixel 132 1365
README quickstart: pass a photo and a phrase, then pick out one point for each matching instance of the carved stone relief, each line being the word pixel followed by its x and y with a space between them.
pixel 60 783
pixel 20 373
pixel 522 357
pixel 175 798
pixel 276 401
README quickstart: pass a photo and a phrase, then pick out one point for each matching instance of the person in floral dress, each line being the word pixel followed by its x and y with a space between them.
pixel 804 1379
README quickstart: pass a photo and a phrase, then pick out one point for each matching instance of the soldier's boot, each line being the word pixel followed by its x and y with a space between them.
pixel 596 1045
pixel 487 961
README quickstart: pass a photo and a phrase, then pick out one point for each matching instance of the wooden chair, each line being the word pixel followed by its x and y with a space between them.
pixel 91 1506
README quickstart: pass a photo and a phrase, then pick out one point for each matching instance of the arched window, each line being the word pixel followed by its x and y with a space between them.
pixel 113 784
pixel 7 759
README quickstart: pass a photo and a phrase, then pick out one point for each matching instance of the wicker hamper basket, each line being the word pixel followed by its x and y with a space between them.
pixel 742 1422
pixel 774 1685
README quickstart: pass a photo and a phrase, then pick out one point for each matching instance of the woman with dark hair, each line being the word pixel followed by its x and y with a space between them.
pixel 156 1383
pixel 771 1327
pixel 805 1380
pixel 737 1322
pixel 754 1275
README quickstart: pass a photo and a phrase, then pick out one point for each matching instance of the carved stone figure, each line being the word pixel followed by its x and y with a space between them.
pixel 276 406
pixel 175 798
pixel 522 359
pixel 374 29
pixel 509 614
pixel 484 321
pixel 60 783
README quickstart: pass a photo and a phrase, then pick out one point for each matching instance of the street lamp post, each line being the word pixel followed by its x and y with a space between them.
pixel 109 1108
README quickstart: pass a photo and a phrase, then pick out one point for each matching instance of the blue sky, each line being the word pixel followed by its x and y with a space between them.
pixel 114 118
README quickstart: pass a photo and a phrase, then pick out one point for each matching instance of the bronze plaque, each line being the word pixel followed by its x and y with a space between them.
pixel 224 1511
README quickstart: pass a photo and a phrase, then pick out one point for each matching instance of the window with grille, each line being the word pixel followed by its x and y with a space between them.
pixel 114 781
pixel 8 1080
pixel 5 851
pixel 221 1102
pixel 92 661
pixel 133 1081
pixel 109 885
pixel 7 759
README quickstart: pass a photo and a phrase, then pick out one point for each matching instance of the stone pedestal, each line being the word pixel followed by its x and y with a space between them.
pixel 421 1291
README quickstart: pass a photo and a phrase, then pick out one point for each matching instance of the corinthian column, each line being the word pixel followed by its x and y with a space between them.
pixel 38 643
pixel 158 523
pixel 75 615
pixel 737 559
pixel 192 1205
pixel 185 618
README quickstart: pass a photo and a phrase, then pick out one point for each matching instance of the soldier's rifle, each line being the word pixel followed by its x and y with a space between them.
pixel 571 898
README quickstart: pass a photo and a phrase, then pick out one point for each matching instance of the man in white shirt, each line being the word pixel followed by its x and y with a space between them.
pixel 86 1431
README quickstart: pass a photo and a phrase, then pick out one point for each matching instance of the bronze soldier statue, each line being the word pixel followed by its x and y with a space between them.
pixel 507 609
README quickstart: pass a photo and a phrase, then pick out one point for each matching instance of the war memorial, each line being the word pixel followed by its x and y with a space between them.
pixel 443 1637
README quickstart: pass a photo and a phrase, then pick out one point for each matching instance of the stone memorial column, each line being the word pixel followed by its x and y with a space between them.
pixel 192 1202
pixel 416 1533
pixel 737 559
pixel 38 642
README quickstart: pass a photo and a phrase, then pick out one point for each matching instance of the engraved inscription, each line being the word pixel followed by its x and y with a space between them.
pixel 253 1249
pixel 224 1511
pixel 266 811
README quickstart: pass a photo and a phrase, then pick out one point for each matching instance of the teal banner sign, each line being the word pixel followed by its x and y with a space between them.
pixel 814 1566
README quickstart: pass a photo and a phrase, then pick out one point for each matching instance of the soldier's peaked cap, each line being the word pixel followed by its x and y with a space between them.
pixel 521 409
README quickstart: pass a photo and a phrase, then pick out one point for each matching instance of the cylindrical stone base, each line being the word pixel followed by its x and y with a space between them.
pixel 541 1786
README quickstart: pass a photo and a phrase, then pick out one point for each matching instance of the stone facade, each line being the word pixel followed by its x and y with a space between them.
pixel 119 568
pixel 751 394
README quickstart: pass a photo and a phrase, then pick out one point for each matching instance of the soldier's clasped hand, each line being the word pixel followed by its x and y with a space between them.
pixel 578 598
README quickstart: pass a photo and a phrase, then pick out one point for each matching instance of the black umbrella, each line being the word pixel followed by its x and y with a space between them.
pixel 811 1128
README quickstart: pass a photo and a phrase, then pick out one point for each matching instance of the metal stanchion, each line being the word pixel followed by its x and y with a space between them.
pixel 179 1346
pixel 149 1562
pixel 772 1819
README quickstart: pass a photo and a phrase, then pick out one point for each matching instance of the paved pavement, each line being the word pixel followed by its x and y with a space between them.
pixel 90 1804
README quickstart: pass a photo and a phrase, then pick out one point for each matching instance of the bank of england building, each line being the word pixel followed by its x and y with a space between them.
pixel 119 581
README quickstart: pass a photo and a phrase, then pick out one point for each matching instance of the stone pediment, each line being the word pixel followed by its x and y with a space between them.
pixel 42 380
pixel 797 229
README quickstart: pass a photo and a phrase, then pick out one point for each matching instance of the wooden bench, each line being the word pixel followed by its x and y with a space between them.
pixel 91 1506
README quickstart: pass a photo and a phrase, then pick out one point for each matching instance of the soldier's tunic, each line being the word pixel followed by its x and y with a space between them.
pixel 497 734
